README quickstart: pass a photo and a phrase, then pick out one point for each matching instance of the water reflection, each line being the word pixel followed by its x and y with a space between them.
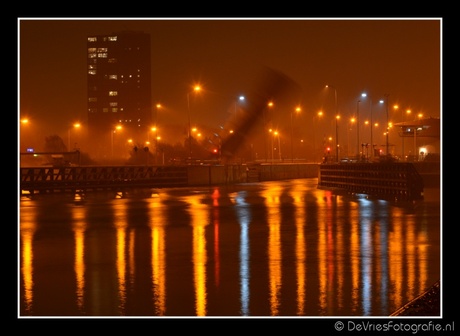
pixel 300 246
pixel 158 219
pixel 281 248
pixel 79 228
pixel 27 231
pixel 244 218
pixel 199 220
pixel 121 226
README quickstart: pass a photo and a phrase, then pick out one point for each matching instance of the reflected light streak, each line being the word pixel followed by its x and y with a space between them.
pixel 121 225
pixel 330 247
pixel 354 252
pixel 271 196
pixel 79 228
pixel 366 256
pixel 411 258
pixel 158 218
pixel 339 253
pixel 300 248
pixel 323 218
pixel 422 253
pixel 395 249
pixel 215 204
pixel 244 218
pixel 199 214
pixel 383 265
pixel 131 264
pixel 28 228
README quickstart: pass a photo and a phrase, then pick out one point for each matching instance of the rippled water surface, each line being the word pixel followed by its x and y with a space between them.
pixel 279 248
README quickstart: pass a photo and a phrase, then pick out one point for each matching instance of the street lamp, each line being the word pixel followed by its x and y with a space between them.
pixel 387 126
pixel 276 133
pixel 419 116
pixel 297 109
pixel 403 128
pixel 336 125
pixel 154 129
pixel 372 123
pixel 24 121
pixel 76 125
pixel 271 142
pixel 357 131
pixel 241 99
pixel 265 125
pixel 317 116
pixel 196 88
pixel 118 127
pixel 155 121
pixel 350 124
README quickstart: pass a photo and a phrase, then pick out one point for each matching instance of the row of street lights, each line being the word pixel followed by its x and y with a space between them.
pixel 197 89
pixel 337 117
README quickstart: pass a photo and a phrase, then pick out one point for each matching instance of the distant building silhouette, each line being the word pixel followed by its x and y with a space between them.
pixel 119 89
pixel 421 138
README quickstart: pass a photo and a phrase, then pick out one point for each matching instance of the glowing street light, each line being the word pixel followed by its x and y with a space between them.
pixel 117 128
pixel 240 99
pixel 196 88
pixel 277 134
pixel 388 124
pixel 372 124
pixel 270 105
pixel 76 125
pixel 357 131
pixel 317 116
pixel 336 125
pixel 297 109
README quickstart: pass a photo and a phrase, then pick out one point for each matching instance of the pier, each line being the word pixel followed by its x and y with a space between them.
pixel 398 181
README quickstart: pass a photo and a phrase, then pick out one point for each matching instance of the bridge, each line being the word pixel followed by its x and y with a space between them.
pixel 75 179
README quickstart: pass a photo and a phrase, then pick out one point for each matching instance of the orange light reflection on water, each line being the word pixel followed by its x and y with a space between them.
pixel 27 231
pixel 199 213
pixel 272 202
pixel 158 219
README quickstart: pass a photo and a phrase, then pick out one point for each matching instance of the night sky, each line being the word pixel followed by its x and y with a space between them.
pixel 399 57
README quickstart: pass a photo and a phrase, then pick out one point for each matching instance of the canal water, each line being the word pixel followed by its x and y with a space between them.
pixel 271 249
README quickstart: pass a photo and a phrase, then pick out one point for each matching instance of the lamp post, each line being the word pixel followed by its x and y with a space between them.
pixel 241 99
pixel 337 117
pixel 387 125
pixel 357 131
pixel 196 88
pixel 276 133
pixel 118 127
pixel 297 109
pixel 419 116
pixel 271 142
pixel 265 125
pixel 370 109
pixel 76 125
pixel 336 125
pixel 372 122
pixel 24 121
pixel 403 129
pixel 317 116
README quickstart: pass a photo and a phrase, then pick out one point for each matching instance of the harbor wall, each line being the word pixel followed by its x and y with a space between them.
pixel 222 174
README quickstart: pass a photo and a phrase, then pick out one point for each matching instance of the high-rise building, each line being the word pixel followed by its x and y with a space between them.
pixel 119 91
